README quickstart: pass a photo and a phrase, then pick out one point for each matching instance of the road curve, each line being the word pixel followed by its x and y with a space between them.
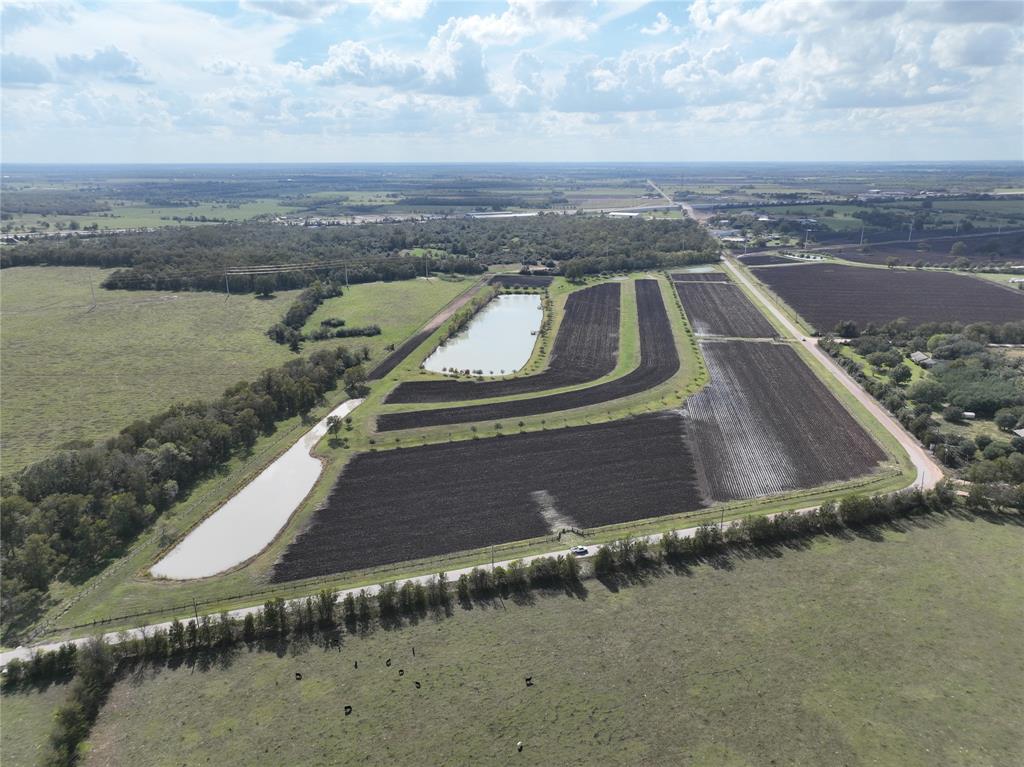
pixel 929 473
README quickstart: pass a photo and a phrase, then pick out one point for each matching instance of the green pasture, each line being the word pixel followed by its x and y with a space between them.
pixel 74 371
pixel 895 646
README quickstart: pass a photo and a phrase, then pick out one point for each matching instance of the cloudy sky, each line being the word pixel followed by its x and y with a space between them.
pixel 423 80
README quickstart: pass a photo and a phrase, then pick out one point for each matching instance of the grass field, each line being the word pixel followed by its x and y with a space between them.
pixel 25 722
pixel 74 373
pixel 880 649
pixel 131 216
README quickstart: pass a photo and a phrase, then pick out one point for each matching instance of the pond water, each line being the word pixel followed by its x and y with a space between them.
pixel 500 338
pixel 247 523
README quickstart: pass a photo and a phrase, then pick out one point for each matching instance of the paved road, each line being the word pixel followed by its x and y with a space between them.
pixel 928 471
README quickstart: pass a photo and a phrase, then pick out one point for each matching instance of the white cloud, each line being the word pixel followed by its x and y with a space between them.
pixel 452 64
pixel 304 10
pixel 23 71
pixel 109 63
pixel 973 46
pixel 659 26
pixel 526 18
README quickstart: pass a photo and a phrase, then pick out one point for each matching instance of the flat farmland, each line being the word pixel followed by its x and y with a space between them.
pixel 980 251
pixel 765 260
pixel 766 425
pixel 412 503
pixel 699 277
pixel 898 648
pixel 585 349
pixel 74 372
pixel 826 294
pixel 722 309
pixel 659 361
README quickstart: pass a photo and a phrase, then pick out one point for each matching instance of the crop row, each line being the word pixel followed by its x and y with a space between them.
pixel 765 425
pixel 397 505
pixel 827 294
pixel 721 309
pixel 659 361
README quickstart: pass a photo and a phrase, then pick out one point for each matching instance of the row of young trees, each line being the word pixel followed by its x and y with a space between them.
pixel 94 666
pixel 68 514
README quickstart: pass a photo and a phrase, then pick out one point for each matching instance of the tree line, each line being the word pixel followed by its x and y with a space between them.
pixel 68 514
pixel 196 258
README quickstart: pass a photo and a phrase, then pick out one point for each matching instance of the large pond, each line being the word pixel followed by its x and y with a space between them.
pixel 247 523
pixel 498 340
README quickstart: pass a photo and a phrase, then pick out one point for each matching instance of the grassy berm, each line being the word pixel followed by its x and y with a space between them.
pixel 898 647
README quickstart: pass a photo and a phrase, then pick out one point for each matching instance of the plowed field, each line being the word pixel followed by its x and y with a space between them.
pixel 826 294
pixel 585 349
pixel 658 362
pixel 766 424
pixel 722 309
pixel 699 277
pixel 419 502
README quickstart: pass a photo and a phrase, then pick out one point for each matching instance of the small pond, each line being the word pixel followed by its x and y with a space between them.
pixel 249 521
pixel 498 339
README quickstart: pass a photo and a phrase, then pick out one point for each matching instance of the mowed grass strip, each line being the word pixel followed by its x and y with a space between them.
pixel 897 647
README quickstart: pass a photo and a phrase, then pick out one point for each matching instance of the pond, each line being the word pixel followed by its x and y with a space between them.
pixel 500 339
pixel 247 523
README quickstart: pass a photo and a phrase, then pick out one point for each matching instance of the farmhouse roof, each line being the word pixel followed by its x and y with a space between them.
pixel 920 357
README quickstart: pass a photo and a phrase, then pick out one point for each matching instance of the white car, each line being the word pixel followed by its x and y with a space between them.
pixel 579 551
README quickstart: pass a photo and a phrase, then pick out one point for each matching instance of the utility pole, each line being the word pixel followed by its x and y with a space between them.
pixel 93 289
pixel 910 231
pixel 862 235
pixel 227 286
pixel 195 610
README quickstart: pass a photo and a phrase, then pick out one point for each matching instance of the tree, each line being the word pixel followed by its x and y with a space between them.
pixel 333 425
pixel 265 285
pixel 36 562
pixel 958 250
pixel 900 374
pixel 928 392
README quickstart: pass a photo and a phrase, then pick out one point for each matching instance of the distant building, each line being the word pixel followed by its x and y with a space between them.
pixel 922 359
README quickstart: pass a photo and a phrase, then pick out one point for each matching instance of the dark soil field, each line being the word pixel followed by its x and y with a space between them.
pixel 419 502
pixel 766 424
pixel 585 349
pixel 658 362
pixel 521 280
pixel 765 260
pixel 699 277
pixel 826 294
pixel 721 309
pixel 980 251
pixel 406 348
